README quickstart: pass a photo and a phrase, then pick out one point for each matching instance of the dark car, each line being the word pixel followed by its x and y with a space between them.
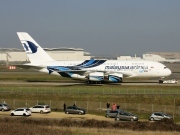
pixel 112 113
pixel 122 115
pixel 74 110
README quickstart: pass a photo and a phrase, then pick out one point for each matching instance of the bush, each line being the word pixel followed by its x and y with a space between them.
pixel 164 125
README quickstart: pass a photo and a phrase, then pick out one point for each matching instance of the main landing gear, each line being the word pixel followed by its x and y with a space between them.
pixel 94 82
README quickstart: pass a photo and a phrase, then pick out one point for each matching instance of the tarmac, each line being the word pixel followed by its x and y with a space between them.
pixel 148 82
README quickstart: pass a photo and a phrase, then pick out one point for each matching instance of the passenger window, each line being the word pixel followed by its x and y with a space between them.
pixel 158 114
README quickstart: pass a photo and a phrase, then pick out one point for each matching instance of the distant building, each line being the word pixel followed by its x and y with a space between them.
pixel 155 56
pixel 167 55
pixel 68 53
pixel 13 54
pixel 162 56
pixel 101 58
pixel 128 58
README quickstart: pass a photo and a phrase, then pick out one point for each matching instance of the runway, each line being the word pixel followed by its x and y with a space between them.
pixel 39 83
pixel 140 83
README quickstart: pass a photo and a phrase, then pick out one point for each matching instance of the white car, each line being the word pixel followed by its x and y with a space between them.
pixel 159 116
pixel 21 112
pixel 41 109
pixel 173 81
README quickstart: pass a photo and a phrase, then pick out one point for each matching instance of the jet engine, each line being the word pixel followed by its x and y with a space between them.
pixel 77 76
pixel 96 76
pixel 115 77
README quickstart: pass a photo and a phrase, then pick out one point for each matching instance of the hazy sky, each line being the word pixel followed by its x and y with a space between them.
pixel 101 27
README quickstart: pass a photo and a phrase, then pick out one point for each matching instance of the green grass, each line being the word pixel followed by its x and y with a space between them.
pixel 136 99
pixel 100 90
pixel 31 77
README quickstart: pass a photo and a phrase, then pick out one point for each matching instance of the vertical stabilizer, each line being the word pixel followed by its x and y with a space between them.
pixel 33 50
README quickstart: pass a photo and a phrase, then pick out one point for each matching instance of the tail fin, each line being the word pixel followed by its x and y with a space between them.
pixel 33 50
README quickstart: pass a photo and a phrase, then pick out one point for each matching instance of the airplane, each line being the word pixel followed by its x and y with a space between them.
pixel 91 71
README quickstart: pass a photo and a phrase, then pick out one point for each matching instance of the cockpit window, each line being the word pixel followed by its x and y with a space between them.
pixel 165 67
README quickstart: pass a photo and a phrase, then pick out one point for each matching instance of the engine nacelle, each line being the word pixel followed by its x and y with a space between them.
pixel 96 76
pixel 72 75
pixel 115 77
pixel 77 76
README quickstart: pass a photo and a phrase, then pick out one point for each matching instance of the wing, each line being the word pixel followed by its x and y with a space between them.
pixel 80 71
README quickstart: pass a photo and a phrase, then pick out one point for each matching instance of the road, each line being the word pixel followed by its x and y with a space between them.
pixel 61 115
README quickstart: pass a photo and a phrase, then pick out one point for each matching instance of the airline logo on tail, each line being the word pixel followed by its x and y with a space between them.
pixel 29 47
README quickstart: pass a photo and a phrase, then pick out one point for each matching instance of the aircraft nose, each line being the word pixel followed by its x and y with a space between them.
pixel 168 72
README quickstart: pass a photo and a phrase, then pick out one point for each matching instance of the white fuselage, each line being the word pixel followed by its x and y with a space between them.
pixel 129 68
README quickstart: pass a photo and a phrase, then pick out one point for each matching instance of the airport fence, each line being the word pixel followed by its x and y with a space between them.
pixel 136 108
pixel 88 90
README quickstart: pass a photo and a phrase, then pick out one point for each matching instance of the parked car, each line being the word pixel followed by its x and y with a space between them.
pixel 112 113
pixel 4 107
pixel 122 115
pixel 41 109
pixel 21 112
pixel 173 81
pixel 75 110
pixel 159 116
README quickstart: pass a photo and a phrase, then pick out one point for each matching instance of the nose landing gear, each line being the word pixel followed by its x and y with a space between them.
pixel 161 80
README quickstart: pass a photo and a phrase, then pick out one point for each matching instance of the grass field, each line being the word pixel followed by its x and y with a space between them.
pixel 31 76
pixel 138 99
pixel 88 89
pixel 93 98
pixel 9 126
